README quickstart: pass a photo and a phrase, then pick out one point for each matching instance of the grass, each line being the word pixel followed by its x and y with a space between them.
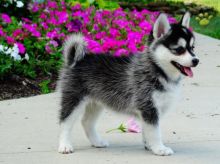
pixel 211 3
pixel 212 29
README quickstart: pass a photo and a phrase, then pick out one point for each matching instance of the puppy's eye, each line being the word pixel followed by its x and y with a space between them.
pixel 180 50
pixel 192 48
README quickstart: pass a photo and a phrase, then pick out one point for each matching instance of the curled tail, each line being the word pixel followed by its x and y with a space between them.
pixel 74 49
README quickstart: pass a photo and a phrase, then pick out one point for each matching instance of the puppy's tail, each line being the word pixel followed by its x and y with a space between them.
pixel 74 49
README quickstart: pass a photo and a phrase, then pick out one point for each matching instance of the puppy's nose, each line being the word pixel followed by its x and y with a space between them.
pixel 195 62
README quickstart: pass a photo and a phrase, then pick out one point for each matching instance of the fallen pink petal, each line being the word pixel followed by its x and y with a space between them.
pixel 133 126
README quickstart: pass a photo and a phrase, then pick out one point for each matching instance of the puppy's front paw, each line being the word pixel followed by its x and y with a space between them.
pixel 65 148
pixel 162 150
pixel 100 144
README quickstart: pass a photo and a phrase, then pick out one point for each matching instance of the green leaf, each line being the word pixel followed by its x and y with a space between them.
pixel 44 86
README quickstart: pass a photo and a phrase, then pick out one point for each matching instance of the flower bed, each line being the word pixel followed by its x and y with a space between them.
pixel 33 45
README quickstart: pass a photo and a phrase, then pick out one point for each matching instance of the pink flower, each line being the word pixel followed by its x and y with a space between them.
pixel 94 46
pixel 62 15
pixel 52 34
pixel 10 40
pixel 132 126
pixel 52 4
pixel 2 32
pixel 119 13
pixel 34 7
pixel 114 32
pixel 100 35
pixel 17 32
pixel 32 29
pixel 26 20
pixel 21 48
pixel 172 20
pixel 6 18
pixel 48 49
pixel 54 43
pixel 121 52
pixel 43 16
pixel 109 44
pixel 135 37
pixel 132 47
pixel 76 7
pixel 146 26
pixel 44 25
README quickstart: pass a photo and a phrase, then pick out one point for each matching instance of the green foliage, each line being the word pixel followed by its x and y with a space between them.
pixel 101 4
pixel 44 85
pixel 211 29
pixel 9 66
pixel 137 1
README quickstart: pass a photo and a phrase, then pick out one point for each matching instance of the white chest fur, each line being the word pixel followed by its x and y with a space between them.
pixel 165 100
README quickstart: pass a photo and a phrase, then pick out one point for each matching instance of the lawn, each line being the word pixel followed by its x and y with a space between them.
pixel 212 29
pixel 211 3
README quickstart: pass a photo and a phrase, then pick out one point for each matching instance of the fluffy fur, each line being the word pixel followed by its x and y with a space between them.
pixel 144 85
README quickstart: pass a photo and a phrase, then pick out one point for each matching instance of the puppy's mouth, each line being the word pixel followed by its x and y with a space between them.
pixel 187 71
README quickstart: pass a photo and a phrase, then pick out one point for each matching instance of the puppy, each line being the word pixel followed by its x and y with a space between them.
pixel 144 84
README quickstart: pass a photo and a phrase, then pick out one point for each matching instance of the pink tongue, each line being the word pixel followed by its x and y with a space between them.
pixel 188 71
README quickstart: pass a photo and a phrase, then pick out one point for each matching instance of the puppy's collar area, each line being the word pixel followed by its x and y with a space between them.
pixel 162 73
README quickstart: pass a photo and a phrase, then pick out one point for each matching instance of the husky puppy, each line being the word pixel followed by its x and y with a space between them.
pixel 144 85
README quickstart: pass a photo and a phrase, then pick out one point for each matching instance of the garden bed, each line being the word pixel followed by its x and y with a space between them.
pixel 17 87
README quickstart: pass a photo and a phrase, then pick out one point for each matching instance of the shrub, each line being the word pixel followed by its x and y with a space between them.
pixel 37 42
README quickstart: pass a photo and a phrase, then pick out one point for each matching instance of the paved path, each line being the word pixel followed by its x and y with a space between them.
pixel 29 127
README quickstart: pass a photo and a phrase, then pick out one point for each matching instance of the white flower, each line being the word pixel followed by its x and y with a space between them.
pixel 15 48
pixel 8 51
pixel 1 48
pixel 16 56
pixel 26 56
pixel 19 4
pixel 15 53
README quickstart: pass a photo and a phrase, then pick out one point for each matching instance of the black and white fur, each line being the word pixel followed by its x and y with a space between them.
pixel 144 85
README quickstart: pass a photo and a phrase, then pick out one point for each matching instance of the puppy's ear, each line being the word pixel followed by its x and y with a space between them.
pixel 185 21
pixel 161 26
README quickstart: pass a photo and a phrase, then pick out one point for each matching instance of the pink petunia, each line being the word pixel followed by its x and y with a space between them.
pixel 54 43
pixel 48 49
pixel 17 32
pixel 62 15
pixel 52 34
pixel 132 47
pixel 43 16
pixel 146 26
pixel 32 29
pixel 52 4
pixel 172 20
pixel 2 32
pixel 121 52
pixel 114 32
pixel 10 40
pixel 94 46
pixel 6 18
pixel 44 25
pixel 21 48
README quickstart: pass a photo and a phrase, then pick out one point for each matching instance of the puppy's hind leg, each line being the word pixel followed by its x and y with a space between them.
pixel 72 108
pixel 93 110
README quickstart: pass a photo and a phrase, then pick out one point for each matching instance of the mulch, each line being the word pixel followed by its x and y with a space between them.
pixel 16 87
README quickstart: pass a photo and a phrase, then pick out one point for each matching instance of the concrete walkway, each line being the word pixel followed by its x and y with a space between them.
pixel 29 126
